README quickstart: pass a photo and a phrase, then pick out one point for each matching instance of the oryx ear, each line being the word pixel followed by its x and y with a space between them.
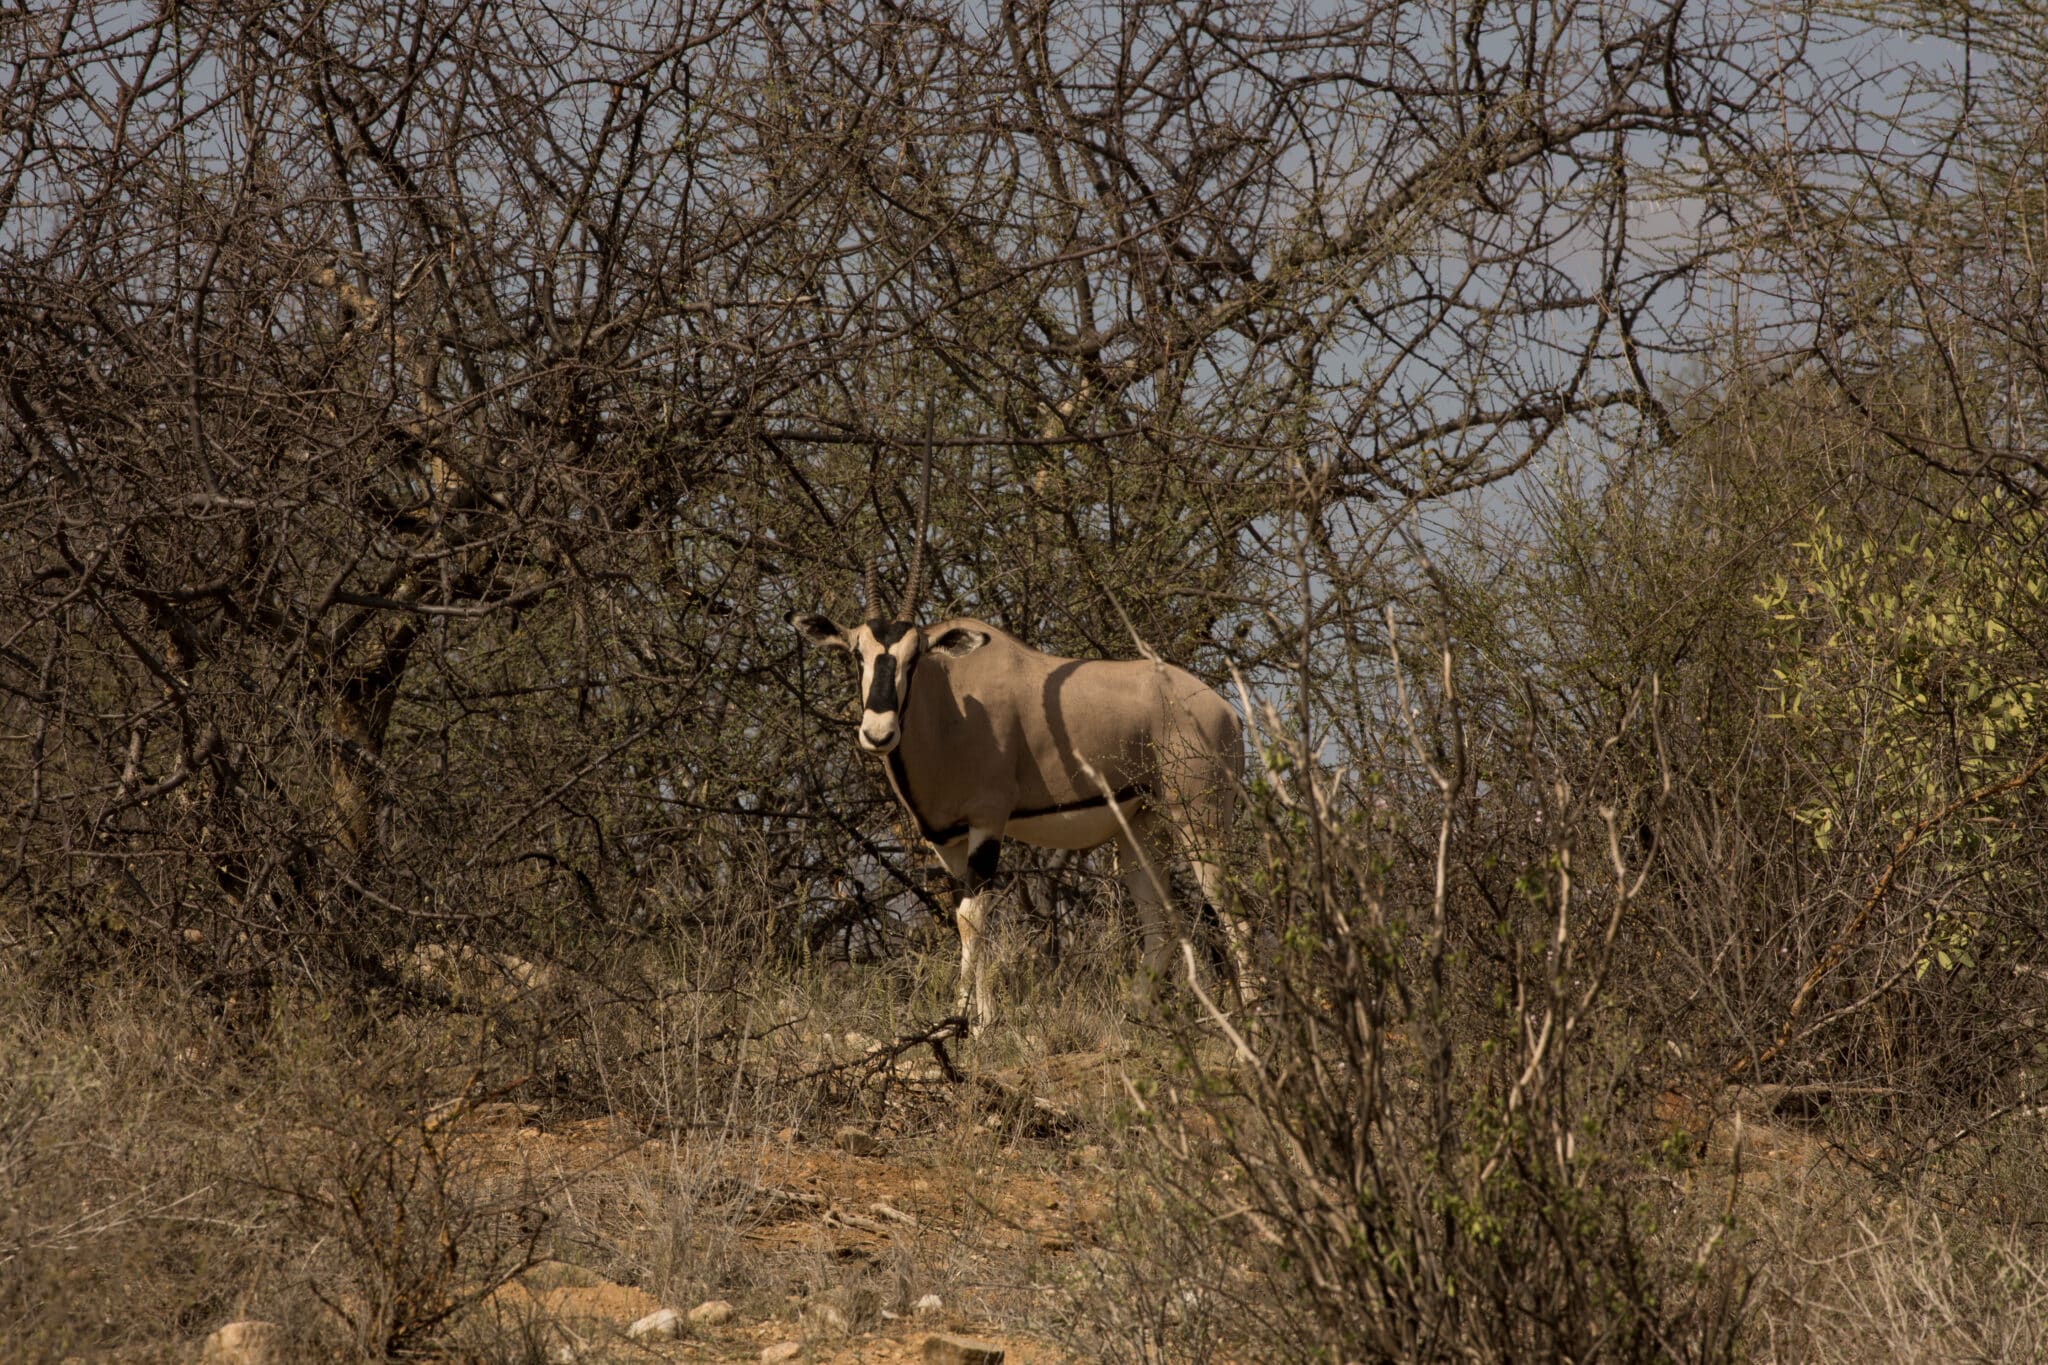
pixel 819 630
pixel 958 641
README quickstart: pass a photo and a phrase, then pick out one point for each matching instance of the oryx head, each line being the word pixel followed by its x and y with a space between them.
pixel 887 652
pixel 887 646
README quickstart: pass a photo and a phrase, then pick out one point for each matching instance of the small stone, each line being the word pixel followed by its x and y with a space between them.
pixel 780 1351
pixel 930 1303
pixel 249 1342
pixel 664 1324
pixel 940 1348
pixel 534 976
pixel 858 1141
pixel 711 1313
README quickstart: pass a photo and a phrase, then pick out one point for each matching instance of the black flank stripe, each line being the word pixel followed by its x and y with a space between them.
pixel 941 837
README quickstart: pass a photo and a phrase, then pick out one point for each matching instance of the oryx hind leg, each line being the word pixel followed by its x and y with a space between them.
pixel 972 862
pixel 1200 808
pixel 1237 931
pixel 1140 860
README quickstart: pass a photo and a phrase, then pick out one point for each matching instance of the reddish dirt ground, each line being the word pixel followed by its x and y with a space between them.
pixel 1000 1208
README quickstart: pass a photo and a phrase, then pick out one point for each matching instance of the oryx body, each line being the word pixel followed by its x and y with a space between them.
pixel 986 738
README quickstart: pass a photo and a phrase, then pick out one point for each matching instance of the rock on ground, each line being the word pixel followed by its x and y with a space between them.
pixel 858 1142
pixel 244 1343
pixel 779 1352
pixel 664 1324
pixel 468 972
pixel 941 1348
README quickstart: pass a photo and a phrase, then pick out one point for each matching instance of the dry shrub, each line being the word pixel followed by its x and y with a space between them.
pixel 116 1228
pixel 1425 1147
pixel 172 1162
pixel 1910 1285
pixel 381 1179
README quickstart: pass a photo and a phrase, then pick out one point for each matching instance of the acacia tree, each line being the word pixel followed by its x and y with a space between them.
pixel 418 418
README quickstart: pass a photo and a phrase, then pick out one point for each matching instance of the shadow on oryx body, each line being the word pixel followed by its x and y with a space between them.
pixel 986 738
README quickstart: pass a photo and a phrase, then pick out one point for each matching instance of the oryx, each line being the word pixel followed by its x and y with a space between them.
pixel 985 738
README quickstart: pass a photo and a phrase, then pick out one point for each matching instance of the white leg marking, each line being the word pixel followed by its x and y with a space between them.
pixel 971 918
pixel 967 918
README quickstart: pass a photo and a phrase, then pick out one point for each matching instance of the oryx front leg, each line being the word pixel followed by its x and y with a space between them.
pixel 973 864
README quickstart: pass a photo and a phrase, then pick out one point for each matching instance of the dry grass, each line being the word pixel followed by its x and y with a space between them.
pixel 403 1180
pixel 506 1185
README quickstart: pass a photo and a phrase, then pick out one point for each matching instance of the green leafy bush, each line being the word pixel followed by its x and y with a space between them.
pixel 1909 669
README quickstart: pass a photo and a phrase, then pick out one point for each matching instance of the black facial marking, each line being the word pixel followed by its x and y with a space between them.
pixel 888 633
pixel 982 863
pixel 882 691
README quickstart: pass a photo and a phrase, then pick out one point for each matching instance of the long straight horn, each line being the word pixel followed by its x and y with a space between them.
pixel 914 589
pixel 870 589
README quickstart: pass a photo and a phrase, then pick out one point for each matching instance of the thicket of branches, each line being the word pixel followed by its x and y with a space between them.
pixel 415 422
pixel 418 418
